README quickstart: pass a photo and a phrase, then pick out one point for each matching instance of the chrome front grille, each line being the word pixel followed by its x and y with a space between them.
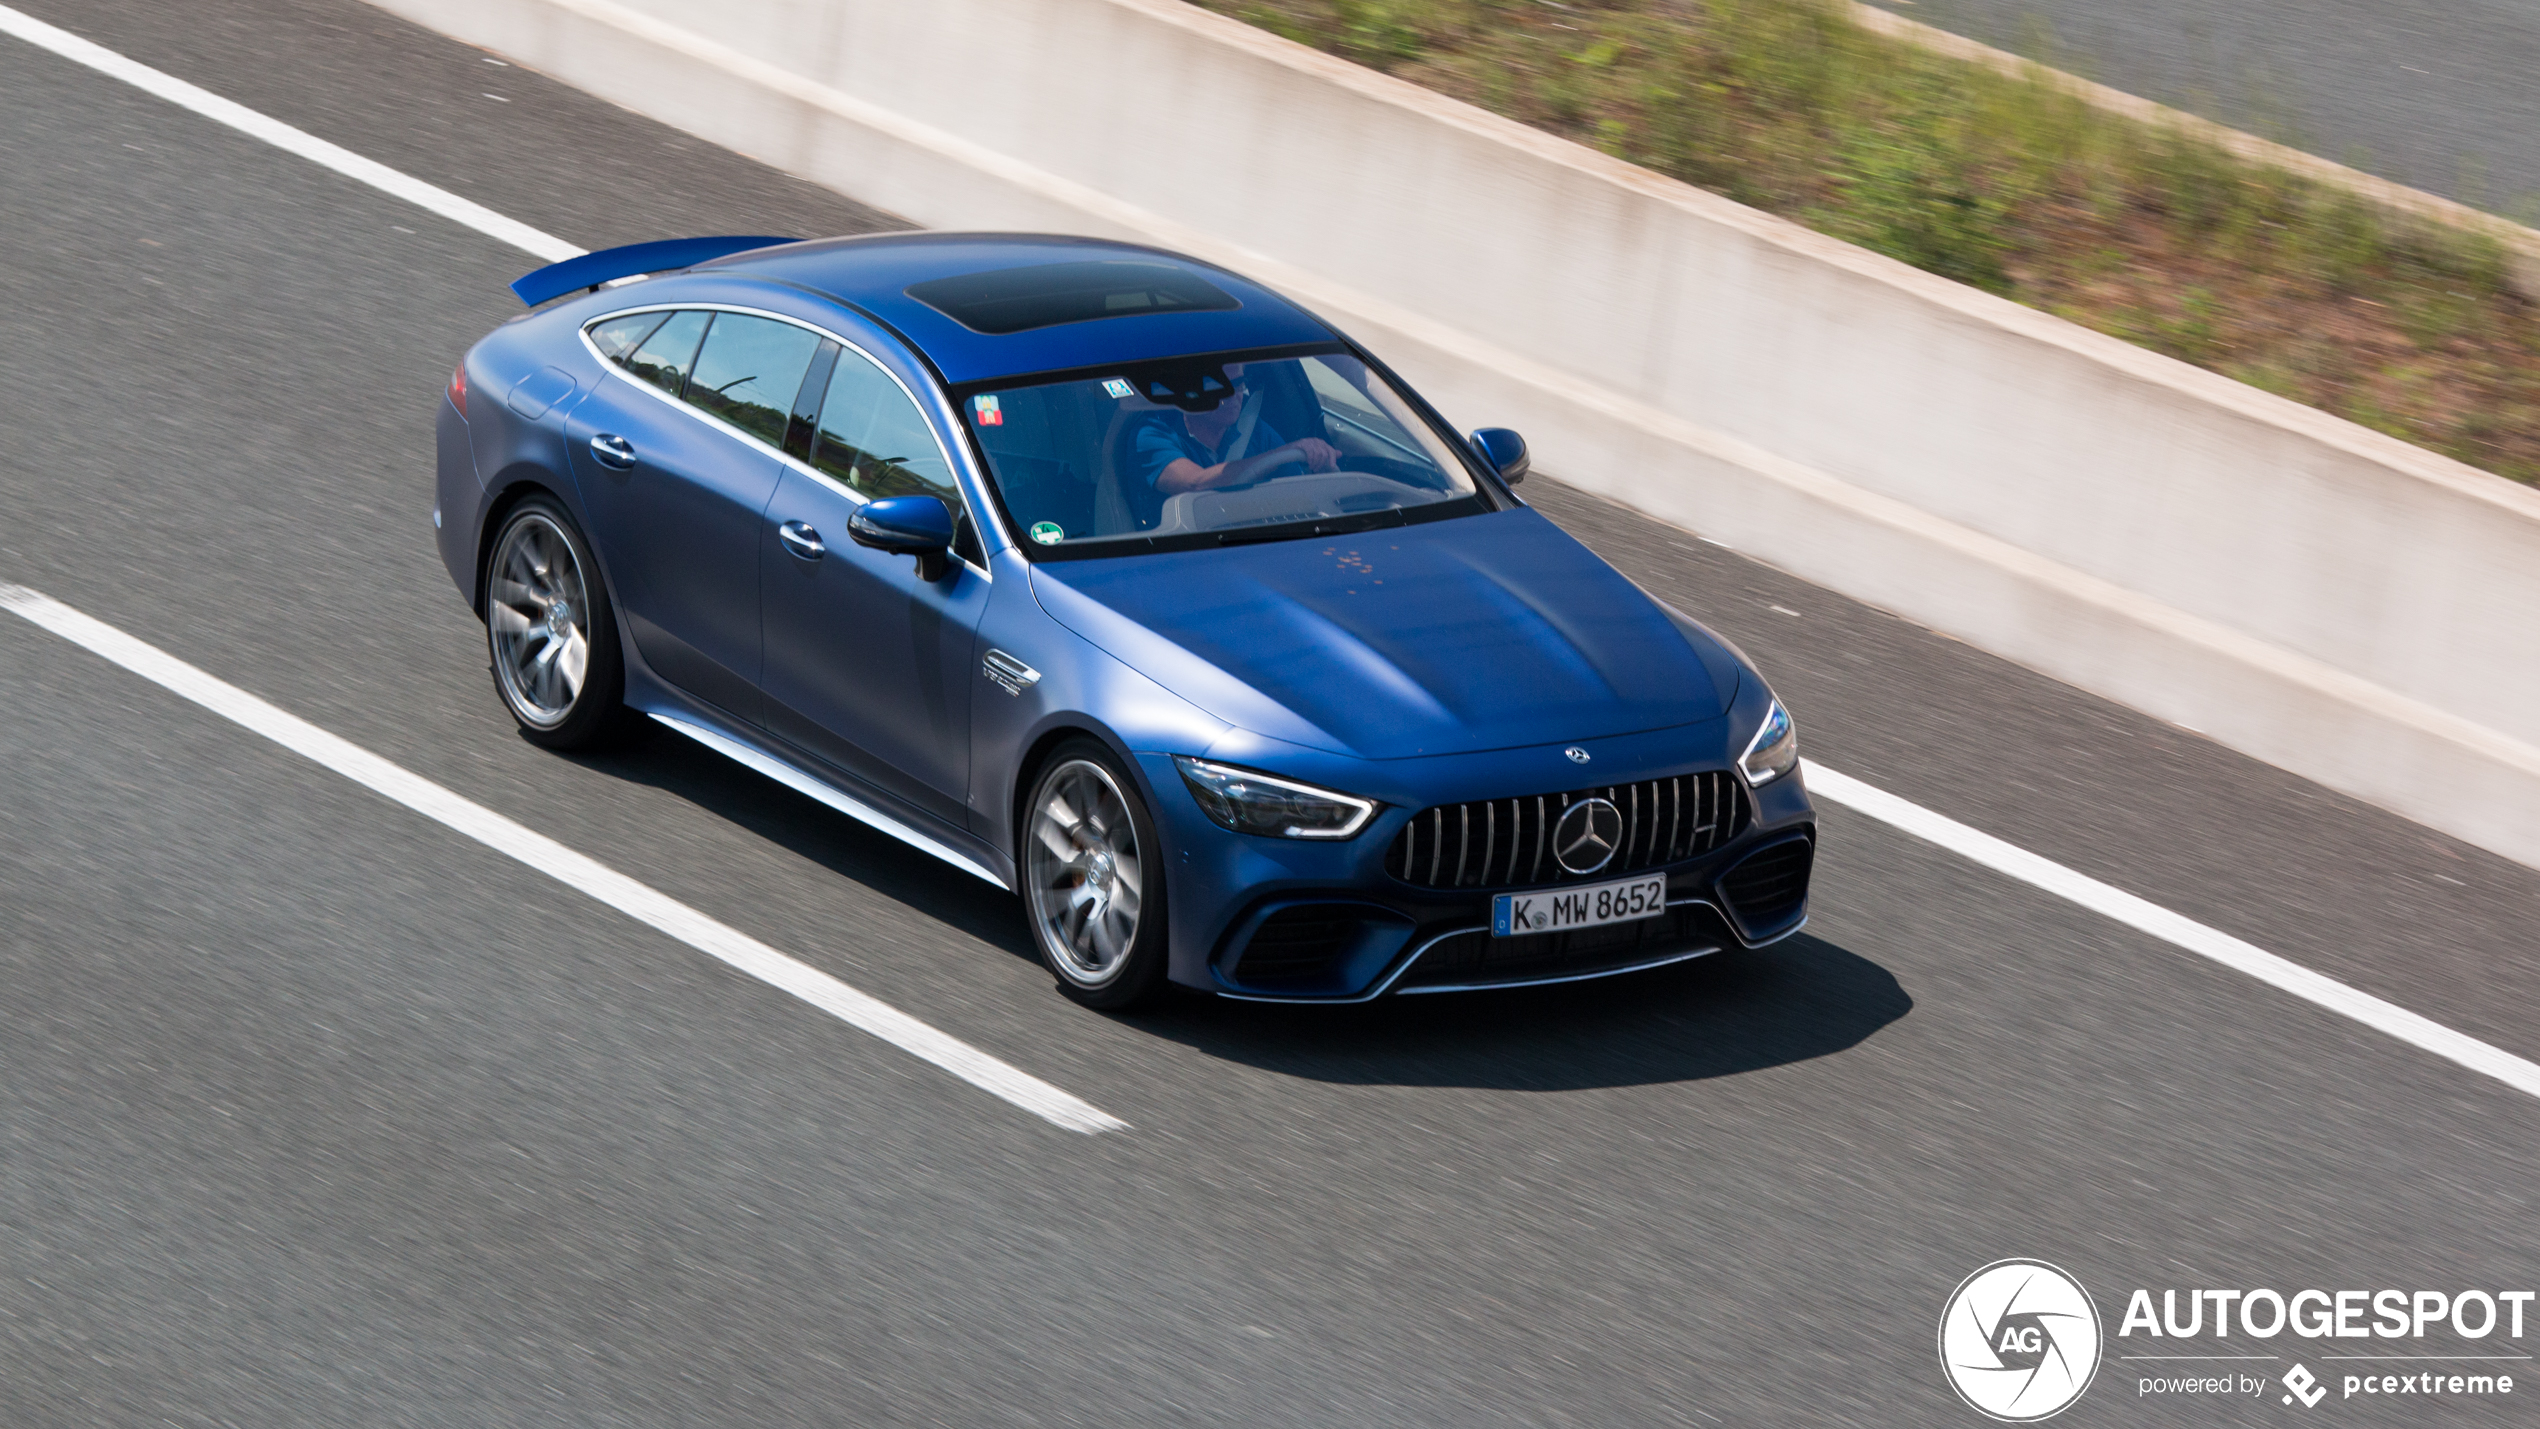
pixel 1506 843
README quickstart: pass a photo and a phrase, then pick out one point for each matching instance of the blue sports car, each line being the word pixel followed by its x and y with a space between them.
pixel 1126 585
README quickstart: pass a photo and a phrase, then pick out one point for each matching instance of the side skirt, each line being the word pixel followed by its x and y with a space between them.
pixel 829 794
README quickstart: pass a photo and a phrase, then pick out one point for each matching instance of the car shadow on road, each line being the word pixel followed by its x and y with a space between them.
pixel 1733 1012
pixel 880 864
pixel 1740 1011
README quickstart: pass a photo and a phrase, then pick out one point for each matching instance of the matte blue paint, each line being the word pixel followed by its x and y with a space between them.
pixel 1416 665
pixel 610 264
pixel 867 665
pixel 1505 451
pixel 682 528
pixel 903 524
pixel 532 395
pixel 1483 633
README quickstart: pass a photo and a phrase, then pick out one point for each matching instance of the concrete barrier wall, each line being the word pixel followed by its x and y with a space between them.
pixel 2336 602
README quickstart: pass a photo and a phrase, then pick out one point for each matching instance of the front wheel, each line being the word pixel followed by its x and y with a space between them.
pixel 1093 879
pixel 550 631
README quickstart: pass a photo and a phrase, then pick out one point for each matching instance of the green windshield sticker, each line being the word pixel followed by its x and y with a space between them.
pixel 1048 533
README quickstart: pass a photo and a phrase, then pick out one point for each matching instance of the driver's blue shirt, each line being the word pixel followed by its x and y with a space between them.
pixel 1164 439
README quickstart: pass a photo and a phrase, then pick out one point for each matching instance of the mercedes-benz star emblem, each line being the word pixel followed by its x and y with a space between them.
pixel 1577 755
pixel 1587 835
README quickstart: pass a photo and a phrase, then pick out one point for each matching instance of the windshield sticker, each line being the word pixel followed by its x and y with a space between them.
pixel 989 415
pixel 1048 533
pixel 1117 388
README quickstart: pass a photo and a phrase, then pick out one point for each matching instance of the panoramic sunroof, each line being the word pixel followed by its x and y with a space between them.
pixel 1021 299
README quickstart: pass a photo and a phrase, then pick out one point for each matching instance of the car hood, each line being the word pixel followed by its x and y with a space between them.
pixel 1449 637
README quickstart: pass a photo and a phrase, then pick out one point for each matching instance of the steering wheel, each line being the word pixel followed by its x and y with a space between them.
pixel 1416 475
pixel 1268 473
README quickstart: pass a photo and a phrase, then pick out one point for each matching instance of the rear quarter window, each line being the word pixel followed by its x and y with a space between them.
pixel 617 338
pixel 663 359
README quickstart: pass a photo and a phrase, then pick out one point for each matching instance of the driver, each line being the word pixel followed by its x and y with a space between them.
pixel 1188 451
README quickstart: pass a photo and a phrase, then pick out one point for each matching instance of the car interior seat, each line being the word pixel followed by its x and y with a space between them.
pixel 1122 501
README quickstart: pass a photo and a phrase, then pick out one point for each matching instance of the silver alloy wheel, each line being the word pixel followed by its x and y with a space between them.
pixel 539 620
pixel 1083 874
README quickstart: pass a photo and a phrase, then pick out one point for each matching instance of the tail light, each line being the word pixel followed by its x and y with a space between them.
pixel 458 388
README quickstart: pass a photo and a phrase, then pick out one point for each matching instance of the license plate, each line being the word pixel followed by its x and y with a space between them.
pixel 1558 910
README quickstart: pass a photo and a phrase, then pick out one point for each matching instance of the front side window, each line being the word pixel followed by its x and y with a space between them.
pixel 749 370
pixel 1212 448
pixel 873 438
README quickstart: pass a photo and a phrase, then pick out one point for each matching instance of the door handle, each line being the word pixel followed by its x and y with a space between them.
pixel 610 449
pixel 801 540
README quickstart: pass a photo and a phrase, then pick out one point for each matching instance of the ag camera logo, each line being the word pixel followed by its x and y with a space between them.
pixel 2019 1340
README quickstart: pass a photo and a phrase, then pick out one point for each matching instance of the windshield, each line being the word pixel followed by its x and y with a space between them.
pixel 1195 446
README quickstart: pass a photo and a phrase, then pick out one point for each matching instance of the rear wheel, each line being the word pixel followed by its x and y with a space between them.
pixel 550 631
pixel 1093 879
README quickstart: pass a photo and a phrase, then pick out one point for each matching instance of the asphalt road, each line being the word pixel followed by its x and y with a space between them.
pixel 312 1112
pixel 2439 97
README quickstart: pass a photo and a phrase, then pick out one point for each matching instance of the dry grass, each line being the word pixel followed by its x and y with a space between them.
pixel 2007 184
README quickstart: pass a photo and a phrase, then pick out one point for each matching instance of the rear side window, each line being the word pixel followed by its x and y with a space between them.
pixel 663 358
pixel 873 438
pixel 749 371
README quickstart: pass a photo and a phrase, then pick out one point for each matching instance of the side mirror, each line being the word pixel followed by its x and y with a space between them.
pixel 1503 451
pixel 919 526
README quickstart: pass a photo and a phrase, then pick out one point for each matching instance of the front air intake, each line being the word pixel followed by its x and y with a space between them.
pixel 1768 889
pixel 1297 946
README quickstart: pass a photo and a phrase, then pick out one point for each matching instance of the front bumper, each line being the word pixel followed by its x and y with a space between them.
pixel 1352 945
pixel 1298 921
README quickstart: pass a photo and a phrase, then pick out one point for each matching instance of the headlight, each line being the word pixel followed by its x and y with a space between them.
pixel 1774 749
pixel 1254 803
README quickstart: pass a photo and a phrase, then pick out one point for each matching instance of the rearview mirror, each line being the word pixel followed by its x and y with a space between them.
pixel 1504 451
pixel 919 526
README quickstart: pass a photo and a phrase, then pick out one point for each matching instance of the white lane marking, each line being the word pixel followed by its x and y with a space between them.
pixel 282 136
pixel 564 865
pixel 2111 902
pixel 492 829
pixel 1983 848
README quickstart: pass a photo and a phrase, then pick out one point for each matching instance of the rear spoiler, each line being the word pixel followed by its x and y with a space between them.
pixel 610 264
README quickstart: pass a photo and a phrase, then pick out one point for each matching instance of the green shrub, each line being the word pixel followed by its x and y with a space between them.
pixel 2009 184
